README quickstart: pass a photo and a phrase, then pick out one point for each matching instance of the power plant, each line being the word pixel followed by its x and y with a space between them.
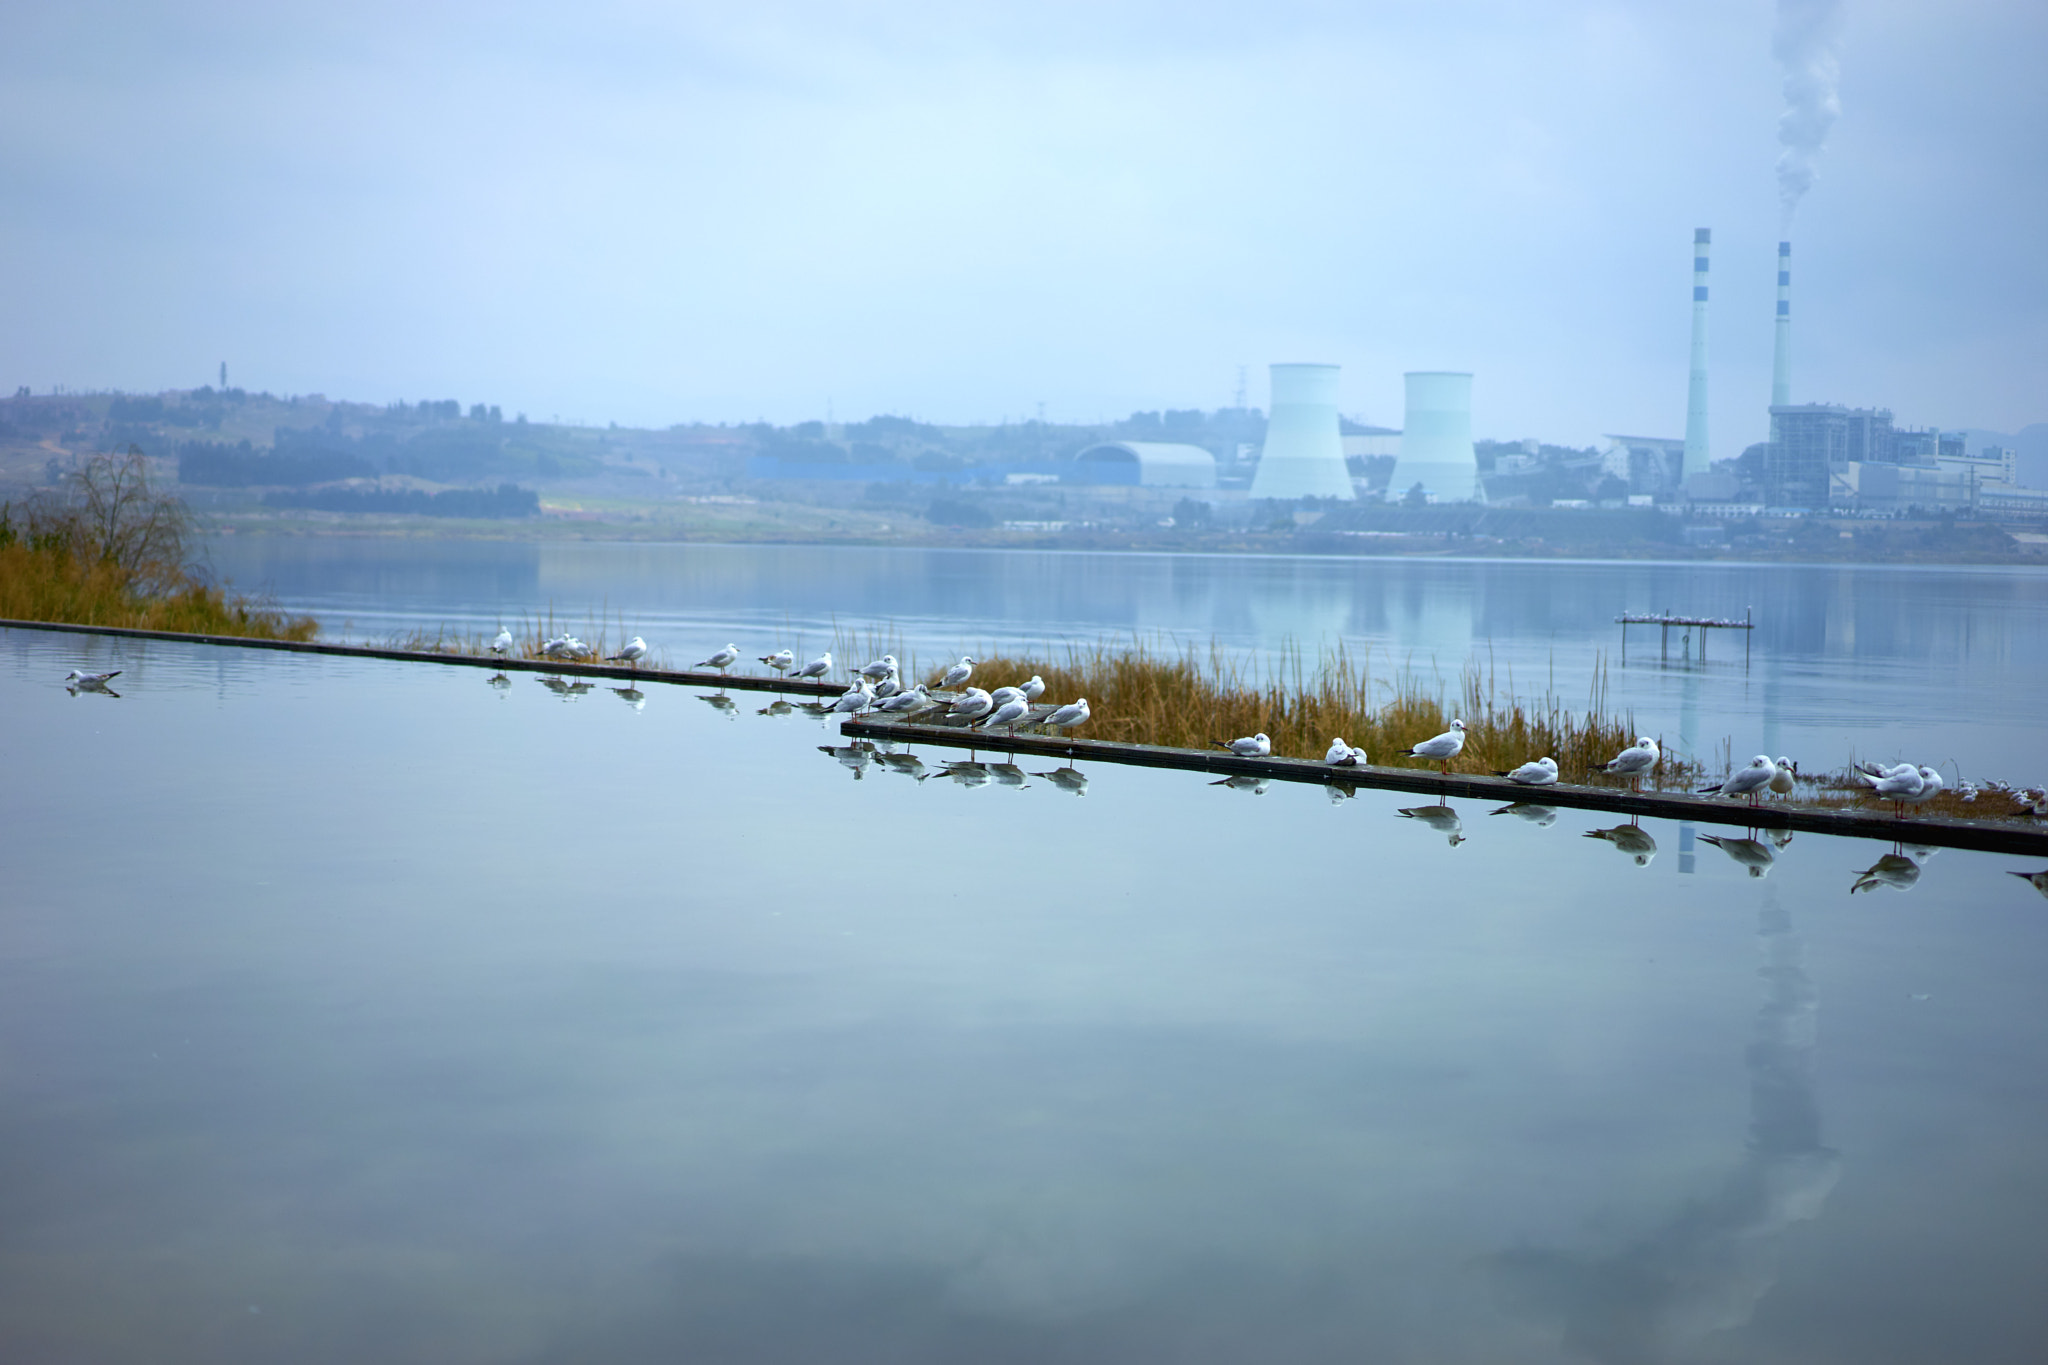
pixel 1304 455
pixel 1781 354
pixel 1696 456
pixel 1436 439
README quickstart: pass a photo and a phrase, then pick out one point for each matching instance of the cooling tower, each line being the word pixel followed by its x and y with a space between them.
pixel 1696 457
pixel 1304 456
pixel 1781 354
pixel 1436 439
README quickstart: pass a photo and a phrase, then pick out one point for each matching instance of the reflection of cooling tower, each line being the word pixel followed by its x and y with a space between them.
pixel 1304 456
pixel 1436 439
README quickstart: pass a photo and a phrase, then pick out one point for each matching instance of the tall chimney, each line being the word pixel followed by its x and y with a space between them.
pixel 1781 356
pixel 1696 457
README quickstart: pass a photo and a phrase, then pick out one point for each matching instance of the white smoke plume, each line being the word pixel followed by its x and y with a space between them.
pixel 1804 45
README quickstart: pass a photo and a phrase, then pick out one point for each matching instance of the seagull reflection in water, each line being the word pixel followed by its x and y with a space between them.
pixel 1749 852
pixel 779 707
pixel 1339 792
pixel 1705 1267
pixel 1244 782
pixel 563 688
pixel 719 702
pixel 1440 818
pixel 1067 780
pixel 2037 880
pixel 856 756
pixel 1631 839
pixel 499 681
pixel 1543 817
pixel 968 773
pixel 910 765
pixel 1899 869
pixel 1008 774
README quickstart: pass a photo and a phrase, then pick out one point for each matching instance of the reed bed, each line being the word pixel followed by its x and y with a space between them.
pixel 1145 694
pixel 529 634
pixel 108 549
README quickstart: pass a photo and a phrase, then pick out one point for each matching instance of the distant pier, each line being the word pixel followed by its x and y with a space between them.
pixel 1666 620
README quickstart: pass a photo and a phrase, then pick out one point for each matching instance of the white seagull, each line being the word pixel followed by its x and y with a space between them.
pixel 1250 746
pixel 1898 787
pixel 1782 780
pixel 90 681
pixel 958 673
pixel 1008 714
pixel 1541 772
pixel 1004 694
pixel 880 668
pixel 1443 747
pixel 781 660
pixel 1033 689
pixel 1751 782
pixel 816 668
pixel 1068 716
pixel 916 699
pixel 856 698
pixel 971 704
pixel 1637 759
pixel 722 660
pixel 1342 755
pixel 889 685
pixel 501 645
pixel 632 652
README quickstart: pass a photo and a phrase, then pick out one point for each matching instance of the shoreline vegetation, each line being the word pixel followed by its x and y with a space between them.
pixel 110 549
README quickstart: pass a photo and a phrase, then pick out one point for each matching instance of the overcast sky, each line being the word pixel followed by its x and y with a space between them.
pixel 662 213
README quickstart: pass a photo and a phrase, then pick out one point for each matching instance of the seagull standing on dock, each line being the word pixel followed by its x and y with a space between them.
pixel 1444 747
pixel 1783 779
pixel 1637 759
pixel 1006 694
pixel 722 660
pixel 902 703
pixel 1342 755
pixel 957 674
pixel 816 668
pixel 1008 714
pixel 633 651
pixel 971 705
pixel 1751 782
pixel 1540 773
pixel 781 660
pixel 1034 689
pixel 1250 746
pixel 1067 717
pixel 880 668
pixel 856 699
pixel 501 645
pixel 1897 787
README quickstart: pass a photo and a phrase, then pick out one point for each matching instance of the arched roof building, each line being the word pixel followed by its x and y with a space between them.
pixel 1153 464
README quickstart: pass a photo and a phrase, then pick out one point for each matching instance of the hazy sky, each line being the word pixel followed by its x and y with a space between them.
pixel 663 213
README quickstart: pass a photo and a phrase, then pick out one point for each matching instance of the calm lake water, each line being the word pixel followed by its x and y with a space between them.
pixel 361 1011
pixel 1934 665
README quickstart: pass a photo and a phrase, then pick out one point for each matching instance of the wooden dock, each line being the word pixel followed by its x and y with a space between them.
pixel 1987 836
pixel 753 682
pixel 1702 624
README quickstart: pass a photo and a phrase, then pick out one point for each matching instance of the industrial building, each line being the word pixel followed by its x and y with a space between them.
pixel 1303 456
pixel 1437 454
pixel 1647 464
pixel 1148 464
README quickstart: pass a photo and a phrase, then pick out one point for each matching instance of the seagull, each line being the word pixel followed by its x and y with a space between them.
pixel 1751 853
pixel 1633 840
pixel 880 668
pixel 1440 818
pixel 781 660
pixel 1252 746
pixel 1870 774
pixel 1342 755
pixel 722 660
pixel 958 673
pixel 1897 787
pixel 501 645
pixel 2037 880
pixel 916 699
pixel 566 647
pixel 1444 747
pixel 1068 716
pixel 1540 816
pixel 856 699
pixel 1003 694
pixel 1751 782
pixel 1034 689
pixel 1783 779
pixel 1075 781
pixel 632 652
pixel 1637 759
pixel 1008 714
pixel 970 706
pixel 1930 787
pixel 1893 869
pixel 816 668
pixel 889 686
pixel 90 682
pixel 1540 773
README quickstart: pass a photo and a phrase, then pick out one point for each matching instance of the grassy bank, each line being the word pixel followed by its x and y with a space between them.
pixel 110 550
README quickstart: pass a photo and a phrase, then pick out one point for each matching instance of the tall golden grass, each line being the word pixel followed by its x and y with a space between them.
pixel 109 549
pixel 1143 694
pixel 529 634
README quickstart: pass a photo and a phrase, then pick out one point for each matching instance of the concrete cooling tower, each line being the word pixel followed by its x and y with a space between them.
pixel 1304 455
pixel 1436 440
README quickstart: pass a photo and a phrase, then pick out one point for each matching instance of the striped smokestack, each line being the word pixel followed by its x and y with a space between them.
pixel 1696 458
pixel 1781 355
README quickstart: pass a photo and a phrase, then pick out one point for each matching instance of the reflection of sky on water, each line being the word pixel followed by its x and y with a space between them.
pixel 431 1020
pixel 1846 658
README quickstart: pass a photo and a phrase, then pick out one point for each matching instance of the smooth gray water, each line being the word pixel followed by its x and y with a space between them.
pixel 1933 664
pixel 353 1011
